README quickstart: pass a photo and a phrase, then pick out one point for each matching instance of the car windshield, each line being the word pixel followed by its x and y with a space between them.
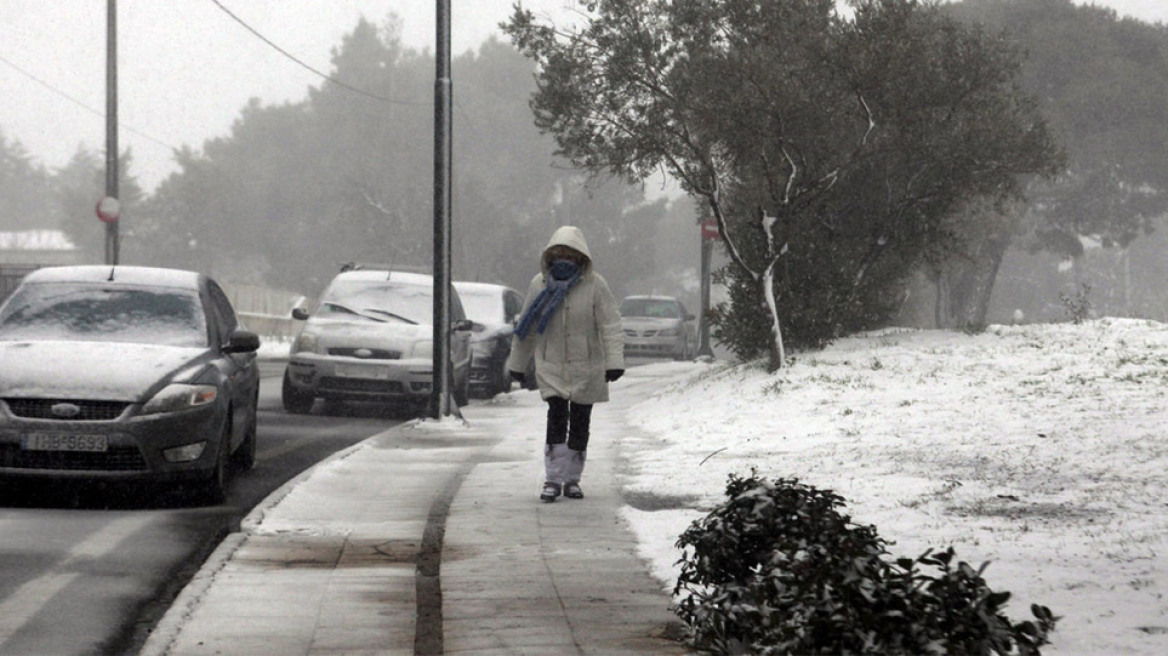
pixel 483 307
pixel 383 300
pixel 98 313
pixel 649 307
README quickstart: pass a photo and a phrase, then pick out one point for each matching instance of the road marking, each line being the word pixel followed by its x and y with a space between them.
pixel 28 600
pixel 276 452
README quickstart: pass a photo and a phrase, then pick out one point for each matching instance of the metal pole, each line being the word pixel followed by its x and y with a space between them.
pixel 703 322
pixel 440 404
pixel 111 126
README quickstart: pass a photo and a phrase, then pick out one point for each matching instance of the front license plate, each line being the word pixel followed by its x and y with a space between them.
pixel 357 371
pixel 64 442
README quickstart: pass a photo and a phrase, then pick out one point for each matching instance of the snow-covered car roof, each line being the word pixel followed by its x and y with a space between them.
pixel 650 297
pixel 129 275
pixel 479 288
pixel 406 277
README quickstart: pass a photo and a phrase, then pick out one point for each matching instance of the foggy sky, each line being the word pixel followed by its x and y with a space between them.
pixel 186 68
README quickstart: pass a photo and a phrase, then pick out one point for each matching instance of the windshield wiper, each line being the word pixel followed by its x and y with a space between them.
pixel 391 314
pixel 341 308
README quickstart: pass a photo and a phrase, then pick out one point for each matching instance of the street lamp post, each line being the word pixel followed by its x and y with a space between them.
pixel 440 405
pixel 111 127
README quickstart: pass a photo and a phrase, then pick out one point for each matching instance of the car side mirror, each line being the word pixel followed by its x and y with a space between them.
pixel 242 341
pixel 462 325
pixel 300 314
pixel 689 316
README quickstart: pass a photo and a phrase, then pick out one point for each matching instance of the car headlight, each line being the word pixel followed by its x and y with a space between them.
pixel 305 342
pixel 177 396
pixel 668 332
pixel 423 349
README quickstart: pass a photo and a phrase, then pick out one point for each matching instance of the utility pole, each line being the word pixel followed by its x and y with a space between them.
pixel 111 127
pixel 440 405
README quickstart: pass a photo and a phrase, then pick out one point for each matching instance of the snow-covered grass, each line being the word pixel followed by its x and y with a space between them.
pixel 1039 448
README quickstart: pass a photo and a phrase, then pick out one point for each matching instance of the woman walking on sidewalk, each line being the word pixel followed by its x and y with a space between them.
pixel 572 326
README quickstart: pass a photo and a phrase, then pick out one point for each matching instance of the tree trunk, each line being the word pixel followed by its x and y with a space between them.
pixel 965 288
pixel 776 352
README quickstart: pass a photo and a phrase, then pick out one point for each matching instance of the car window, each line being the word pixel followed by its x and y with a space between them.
pixel 456 311
pixel 226 319
pixel 483 307
pixel 513 303
pixel 649 307
pixel 99 313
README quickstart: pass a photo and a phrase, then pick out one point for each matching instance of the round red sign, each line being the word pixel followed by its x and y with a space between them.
pixel 109 209
pixel 710 229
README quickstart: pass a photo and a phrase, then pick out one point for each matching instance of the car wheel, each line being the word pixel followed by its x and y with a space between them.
pixel 461 392
pixel 502 380
pixel 213 489
pixel 245 456
pixel 295 401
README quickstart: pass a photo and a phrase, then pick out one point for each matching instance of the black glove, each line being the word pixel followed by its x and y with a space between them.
pixel 613 375
pixel 518 376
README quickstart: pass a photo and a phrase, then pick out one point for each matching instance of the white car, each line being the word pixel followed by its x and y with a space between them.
pixel 657 326
pixel 371 338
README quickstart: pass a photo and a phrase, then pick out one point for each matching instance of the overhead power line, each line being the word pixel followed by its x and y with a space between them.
pixel 81 104
pixel 307 67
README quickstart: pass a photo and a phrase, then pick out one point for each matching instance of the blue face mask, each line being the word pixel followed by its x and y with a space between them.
pixel 563 269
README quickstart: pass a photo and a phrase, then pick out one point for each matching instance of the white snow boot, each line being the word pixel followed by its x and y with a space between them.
pixel 556 459
pixel 573 470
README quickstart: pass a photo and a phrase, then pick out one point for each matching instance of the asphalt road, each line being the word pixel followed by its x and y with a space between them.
pixel 91 569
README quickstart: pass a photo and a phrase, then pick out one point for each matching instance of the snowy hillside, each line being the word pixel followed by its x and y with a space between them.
pixel 1039 448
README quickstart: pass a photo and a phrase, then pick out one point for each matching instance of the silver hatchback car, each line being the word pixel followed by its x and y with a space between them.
pixel 371 338
pixel 657 326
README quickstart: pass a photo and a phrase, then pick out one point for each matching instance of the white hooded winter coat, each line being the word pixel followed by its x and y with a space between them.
pixel 583 338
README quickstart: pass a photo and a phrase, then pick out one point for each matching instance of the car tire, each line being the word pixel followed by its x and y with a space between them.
pixel 244 457
pixel 461 393
pixel 213 489
pixel 502 382
pixel 295 401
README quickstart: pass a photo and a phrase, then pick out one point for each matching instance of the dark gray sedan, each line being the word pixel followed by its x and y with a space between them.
pixel 125 373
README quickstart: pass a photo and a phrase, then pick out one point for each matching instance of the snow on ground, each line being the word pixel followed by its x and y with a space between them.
pixel 1038 448
pixel 273 348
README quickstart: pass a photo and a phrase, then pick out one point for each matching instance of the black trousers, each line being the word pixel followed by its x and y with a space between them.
pixel 567 421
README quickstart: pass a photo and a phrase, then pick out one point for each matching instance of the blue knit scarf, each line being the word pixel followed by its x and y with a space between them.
pixel 561 276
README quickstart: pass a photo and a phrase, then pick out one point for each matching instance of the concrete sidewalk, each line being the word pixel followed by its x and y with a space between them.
pixel 430 539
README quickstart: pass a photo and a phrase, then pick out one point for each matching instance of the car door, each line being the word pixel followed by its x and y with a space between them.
pixel 459 339
pixel 240 369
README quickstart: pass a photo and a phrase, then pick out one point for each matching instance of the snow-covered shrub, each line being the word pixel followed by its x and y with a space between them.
pixel 777 569
pixel 1077 308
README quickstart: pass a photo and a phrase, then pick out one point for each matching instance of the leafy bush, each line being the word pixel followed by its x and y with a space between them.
pixel 777 569
pixel 1077 307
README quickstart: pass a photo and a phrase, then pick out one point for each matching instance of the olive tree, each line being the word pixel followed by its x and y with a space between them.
pixel 831 150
